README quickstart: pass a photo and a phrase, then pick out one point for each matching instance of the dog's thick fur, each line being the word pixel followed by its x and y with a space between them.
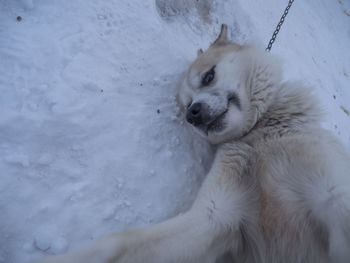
pixel 278 189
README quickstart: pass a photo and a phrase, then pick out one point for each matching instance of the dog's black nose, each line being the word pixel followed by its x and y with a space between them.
pixel 194 114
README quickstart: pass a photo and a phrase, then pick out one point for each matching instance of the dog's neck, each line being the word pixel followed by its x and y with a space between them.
pixel 292 110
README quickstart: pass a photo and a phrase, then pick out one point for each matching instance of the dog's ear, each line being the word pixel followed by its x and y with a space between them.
pixel 222 38
pixel 199 52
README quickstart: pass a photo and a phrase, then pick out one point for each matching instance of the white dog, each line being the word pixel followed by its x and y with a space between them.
pixel 279 187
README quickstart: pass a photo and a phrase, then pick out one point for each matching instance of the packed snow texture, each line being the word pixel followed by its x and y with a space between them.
pixel 92 141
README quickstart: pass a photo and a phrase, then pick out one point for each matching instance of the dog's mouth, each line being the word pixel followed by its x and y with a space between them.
pixel 215 125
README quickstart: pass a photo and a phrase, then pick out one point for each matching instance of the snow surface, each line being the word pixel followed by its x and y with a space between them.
pixel 91 138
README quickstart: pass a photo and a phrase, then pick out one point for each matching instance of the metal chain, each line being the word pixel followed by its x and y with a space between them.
pixel 274 35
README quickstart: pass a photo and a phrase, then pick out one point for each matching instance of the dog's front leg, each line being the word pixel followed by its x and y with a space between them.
pixel 210 228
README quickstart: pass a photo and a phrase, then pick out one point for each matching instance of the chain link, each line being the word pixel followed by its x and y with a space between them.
pixel 274 35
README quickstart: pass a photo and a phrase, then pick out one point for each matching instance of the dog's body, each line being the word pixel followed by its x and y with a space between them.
pixel 278 189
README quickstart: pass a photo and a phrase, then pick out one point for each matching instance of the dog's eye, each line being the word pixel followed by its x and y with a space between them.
pixel 208 77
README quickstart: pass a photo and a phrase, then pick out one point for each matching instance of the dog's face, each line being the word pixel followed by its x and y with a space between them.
pixel 214 91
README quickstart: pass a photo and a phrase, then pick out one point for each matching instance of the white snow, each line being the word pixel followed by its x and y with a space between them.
pixel 91 139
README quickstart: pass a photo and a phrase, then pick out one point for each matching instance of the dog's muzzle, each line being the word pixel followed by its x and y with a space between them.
pixel 197 114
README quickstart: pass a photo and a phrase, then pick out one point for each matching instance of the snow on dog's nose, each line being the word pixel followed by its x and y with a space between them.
pixel 194 114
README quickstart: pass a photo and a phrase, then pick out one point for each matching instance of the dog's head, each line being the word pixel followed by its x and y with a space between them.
pixel 217 90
